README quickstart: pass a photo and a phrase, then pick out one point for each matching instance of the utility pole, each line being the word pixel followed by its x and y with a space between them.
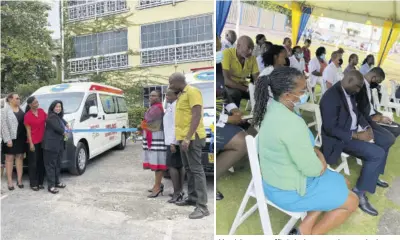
pixel 62 39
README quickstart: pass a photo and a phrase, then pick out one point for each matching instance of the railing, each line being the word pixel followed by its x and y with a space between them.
pixel 96 9
pixel 114 61
pixel 181 53
pixel 142 4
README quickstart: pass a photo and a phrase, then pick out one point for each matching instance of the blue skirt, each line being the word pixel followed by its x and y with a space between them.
pixel 323 193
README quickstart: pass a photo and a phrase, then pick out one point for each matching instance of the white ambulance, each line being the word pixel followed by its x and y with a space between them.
pixel 88 105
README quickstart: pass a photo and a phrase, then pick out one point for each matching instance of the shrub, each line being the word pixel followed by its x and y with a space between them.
pixel 136 115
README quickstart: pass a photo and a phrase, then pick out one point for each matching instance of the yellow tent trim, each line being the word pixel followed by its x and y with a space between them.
pixel 296 18
pixel 390 33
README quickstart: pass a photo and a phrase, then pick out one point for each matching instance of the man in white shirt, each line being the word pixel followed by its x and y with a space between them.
pixel 332 73
pixel 229 41
pixel 297 59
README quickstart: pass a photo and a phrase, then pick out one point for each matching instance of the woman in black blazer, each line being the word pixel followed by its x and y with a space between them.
pixel 54 144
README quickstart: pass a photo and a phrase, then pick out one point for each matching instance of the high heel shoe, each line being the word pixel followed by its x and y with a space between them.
pixel 178 198
pixel 161 187
pixel 20 185
pixel 154 195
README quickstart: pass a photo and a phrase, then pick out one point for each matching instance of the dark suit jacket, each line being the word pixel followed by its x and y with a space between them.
pixel 364 105
pixel 336 122
pixel 53 139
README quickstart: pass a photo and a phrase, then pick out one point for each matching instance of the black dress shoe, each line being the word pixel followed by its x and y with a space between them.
pixel 382 184
pixel 366 206
pixel 219 196
pixel 185 202
pixel 294 231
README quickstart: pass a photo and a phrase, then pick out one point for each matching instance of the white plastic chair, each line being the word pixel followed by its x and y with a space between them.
pixel 394 86
pixel 251 93
pixel 256 190
pixel 310 107
pixel 386 103
pixel 377 105
pixel 344 165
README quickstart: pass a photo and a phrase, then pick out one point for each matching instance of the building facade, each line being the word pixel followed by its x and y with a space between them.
pixel 164 36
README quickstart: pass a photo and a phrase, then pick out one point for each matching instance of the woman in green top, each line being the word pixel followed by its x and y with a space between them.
pixel 294 172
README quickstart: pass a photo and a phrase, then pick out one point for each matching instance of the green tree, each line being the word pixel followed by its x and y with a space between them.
pixel 25 45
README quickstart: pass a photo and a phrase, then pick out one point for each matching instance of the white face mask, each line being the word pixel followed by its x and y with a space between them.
pixel 323 56
pixel 299 55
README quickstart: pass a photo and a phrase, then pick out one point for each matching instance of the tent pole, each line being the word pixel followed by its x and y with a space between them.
pixel 238 10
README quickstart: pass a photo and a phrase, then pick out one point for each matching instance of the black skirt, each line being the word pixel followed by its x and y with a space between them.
pixel 174 159
pixel 19 146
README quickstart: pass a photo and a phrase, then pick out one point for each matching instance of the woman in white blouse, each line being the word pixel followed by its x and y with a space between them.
pixel 316 67
pixel 367 64
pixel 275 57
pixel 297 59
pixel 174 161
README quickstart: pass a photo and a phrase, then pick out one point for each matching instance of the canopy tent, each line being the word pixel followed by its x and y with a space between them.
pixel 385 14
pixel 222 11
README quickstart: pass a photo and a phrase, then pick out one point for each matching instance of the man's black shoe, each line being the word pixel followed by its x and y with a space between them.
pixel 185 202
pixel 382 184
pixel 219 196
pixel 365 205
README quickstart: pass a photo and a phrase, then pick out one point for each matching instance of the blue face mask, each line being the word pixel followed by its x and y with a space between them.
pixel 300 55
pixel 323 56
pixel 218 57
pixel 302 100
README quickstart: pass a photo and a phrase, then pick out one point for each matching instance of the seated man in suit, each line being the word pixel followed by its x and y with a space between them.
pixel 365 103
pixel 344 129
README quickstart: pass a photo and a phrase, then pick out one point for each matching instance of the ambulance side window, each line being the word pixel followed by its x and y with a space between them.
pixel 90 101
pixel 108 104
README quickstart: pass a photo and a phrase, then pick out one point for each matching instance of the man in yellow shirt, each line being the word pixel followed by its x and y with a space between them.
pixel 190 132
pixel 238 64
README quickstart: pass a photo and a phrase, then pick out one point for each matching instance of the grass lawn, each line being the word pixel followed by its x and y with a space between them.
pixel 234 186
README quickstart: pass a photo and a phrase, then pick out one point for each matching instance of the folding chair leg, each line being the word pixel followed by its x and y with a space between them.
pixel 286 229
pixel 359 162
pixel 343 166
pixel 239 219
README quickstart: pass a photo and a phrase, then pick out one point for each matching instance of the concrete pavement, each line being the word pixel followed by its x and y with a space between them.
pixel 107 202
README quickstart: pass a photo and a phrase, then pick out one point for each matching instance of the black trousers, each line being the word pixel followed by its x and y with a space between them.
pixel 36 165
pixel 237 95
pixel 52 163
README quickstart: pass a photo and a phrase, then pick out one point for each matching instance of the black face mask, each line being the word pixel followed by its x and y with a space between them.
pixel 374 85
pixel 340 62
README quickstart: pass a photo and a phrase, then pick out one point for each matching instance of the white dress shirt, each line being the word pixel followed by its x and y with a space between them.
pixel 364 69
pixel 260 63
pixel 367 85
pixel 169 124
pixel 332 74
pixel 226 44
pixel 352 113
pixel 299 65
